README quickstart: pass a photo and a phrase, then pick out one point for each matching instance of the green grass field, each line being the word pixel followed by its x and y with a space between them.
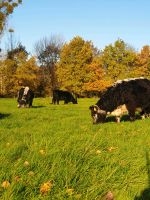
pixel 55 152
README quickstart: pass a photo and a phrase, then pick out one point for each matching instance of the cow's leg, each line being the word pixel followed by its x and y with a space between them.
pixel 132 115
pixel 118 119
pixel 147 112
pixel 53 101
pixel 30 103
pixel 131 107
pixel 57 101
pixel 65 101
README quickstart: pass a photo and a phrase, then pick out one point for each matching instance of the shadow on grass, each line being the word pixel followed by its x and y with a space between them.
pixel 145 194
pixel 123 118
pixel 2 115
pixel 38 106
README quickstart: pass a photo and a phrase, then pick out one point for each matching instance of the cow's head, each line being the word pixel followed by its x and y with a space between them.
pixel 97 114
pixel 74 101
pixel 21 103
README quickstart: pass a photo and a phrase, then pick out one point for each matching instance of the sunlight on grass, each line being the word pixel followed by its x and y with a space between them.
pixel 55 152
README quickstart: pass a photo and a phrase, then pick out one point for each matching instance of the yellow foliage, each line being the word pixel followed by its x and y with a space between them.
pixel 6 8
pixel 46 187
pixel 5 184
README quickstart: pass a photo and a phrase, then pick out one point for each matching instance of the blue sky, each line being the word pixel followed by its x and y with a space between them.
pixel 101 21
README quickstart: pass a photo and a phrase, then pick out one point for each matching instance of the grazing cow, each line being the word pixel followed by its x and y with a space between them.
pixel 25 97
pixel 134 93
pixel 63 95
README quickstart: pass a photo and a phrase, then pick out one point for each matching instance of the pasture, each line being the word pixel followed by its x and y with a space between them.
pixel 55 152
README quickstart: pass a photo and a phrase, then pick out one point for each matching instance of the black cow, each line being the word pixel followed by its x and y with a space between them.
pixel 25 97
pixel 63 95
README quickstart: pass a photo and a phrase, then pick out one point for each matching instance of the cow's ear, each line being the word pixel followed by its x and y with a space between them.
pixel 93 108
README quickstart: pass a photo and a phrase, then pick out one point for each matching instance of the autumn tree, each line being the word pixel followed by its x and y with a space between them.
pixel 73 66
pixel 6 8
pixel 97 80
pixel 26 74
pixel 118 60
pixel 7 71
pixel 143 63
pixel 48 54
pixel 17 71
pixel 13 53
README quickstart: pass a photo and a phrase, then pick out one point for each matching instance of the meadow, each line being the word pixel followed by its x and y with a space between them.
pixel 55 152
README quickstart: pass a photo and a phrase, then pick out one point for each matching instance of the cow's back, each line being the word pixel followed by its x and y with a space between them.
pixel 136 90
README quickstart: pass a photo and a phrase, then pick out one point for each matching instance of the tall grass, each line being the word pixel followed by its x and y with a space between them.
pixel 60 145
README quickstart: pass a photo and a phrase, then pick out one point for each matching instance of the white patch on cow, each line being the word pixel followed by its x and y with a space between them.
pixel 119 81
pixel 126 80
pixel 118 119
pixel 26 89
pixel 143 117
pixel 95 117
pixel 118 112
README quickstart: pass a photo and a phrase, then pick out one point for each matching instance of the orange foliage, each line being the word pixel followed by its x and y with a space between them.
pixel 97 80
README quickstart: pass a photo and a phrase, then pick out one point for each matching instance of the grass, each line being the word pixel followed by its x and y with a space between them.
pixel 58 145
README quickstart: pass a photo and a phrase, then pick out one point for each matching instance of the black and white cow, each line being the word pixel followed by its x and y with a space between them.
pixel 63 95
pixel 134 93
pixel 25 97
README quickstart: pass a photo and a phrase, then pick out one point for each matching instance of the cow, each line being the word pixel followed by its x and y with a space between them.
pixel 25 97
pixel 134 93
pixel 63 95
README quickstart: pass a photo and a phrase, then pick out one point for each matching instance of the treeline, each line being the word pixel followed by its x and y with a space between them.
pixel 77 66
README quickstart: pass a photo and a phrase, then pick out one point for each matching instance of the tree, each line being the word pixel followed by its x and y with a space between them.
pixel 17 71
pixel 73 65
pixel 143 62
pixel 6 8
pixel 7 71
pixel 48 54
pixel 26 74
pixel 97 80
pixel 13 53
pixel 118 60
pixel 2 78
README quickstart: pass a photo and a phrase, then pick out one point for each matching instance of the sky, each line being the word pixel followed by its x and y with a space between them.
pixel 101 21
